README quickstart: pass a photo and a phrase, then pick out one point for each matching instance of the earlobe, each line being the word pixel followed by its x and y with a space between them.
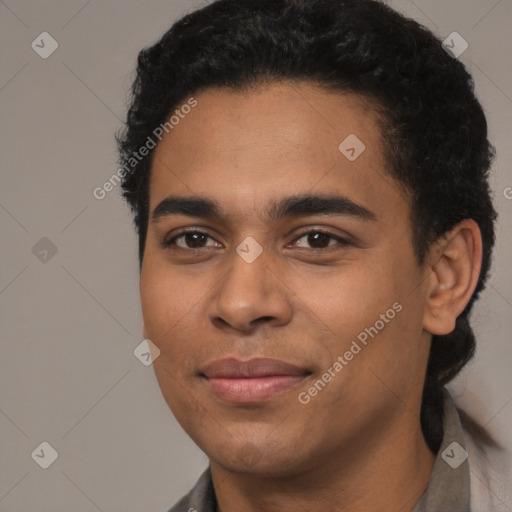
pixel 453 276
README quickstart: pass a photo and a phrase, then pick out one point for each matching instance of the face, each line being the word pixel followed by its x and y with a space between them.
pixel 279 279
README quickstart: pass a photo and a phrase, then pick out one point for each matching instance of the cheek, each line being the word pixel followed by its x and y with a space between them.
pixel 350 298
pixel 166 294
pixel 169 303
pixel 371 315
pixel 168 310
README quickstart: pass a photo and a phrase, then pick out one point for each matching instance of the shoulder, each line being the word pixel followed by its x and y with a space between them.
pixel 489 467
pixel 201 497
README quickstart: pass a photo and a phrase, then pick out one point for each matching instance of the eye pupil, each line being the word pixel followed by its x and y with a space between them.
pixel 195 240
pixel 318 240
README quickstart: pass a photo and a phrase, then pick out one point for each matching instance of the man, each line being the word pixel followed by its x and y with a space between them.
pixel 314 224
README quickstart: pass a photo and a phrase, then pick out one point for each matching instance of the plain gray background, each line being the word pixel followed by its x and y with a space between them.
pixel 70 321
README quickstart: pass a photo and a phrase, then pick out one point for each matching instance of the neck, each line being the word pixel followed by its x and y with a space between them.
pixel 390 474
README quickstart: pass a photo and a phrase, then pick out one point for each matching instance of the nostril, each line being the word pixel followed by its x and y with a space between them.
pixel 261 320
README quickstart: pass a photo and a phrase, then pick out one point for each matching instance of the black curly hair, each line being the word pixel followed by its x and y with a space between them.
pixel 434 129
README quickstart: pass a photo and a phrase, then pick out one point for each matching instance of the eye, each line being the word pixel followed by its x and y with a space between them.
pixel 190 239
pixel 319 240
pixel 193 239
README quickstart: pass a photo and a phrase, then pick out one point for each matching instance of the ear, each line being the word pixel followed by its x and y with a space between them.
pixel 456 260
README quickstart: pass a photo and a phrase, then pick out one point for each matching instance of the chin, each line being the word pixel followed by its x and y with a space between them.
pixel 256 457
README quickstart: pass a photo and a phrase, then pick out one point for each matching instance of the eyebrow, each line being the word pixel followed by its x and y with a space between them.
pixel 294 206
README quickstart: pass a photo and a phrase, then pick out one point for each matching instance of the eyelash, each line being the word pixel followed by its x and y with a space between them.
pixel 167 244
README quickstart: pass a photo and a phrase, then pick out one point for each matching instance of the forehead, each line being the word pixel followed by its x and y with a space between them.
pixel 247 147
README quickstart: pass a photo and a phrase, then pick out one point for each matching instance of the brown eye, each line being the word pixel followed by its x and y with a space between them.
pixel 319 240
pixel 190 240
pixel 194 240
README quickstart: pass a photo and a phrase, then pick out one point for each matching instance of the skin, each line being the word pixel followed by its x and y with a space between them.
pixel 357 445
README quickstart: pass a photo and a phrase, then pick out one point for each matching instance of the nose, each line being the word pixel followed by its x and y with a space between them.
pixel 250 294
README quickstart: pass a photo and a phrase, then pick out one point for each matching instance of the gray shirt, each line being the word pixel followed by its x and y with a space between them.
pixel 448 489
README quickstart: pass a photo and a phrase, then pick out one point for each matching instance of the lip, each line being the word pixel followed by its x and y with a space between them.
pixel 251 381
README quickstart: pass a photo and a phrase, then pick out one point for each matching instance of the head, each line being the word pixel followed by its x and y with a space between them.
pixel 273 88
